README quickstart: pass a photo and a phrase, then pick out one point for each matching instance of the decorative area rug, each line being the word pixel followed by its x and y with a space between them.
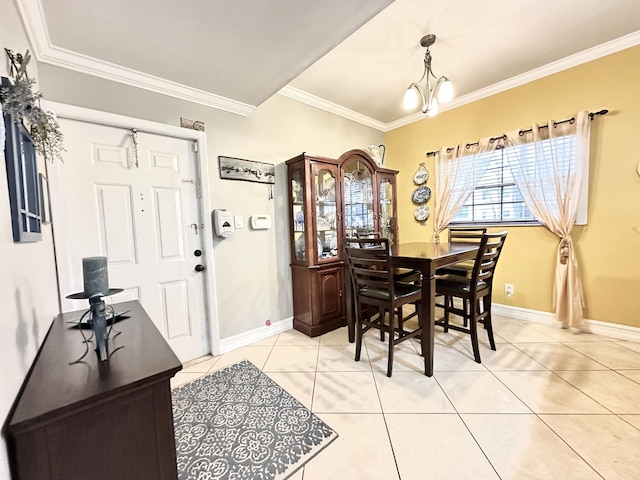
pixel 237 423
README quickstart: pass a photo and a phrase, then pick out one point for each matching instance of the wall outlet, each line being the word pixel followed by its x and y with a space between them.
pixel 508 289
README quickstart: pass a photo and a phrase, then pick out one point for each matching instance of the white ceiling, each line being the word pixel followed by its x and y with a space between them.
pixel 352 57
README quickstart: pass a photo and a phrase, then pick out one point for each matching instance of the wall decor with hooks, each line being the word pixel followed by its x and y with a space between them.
pixel 421 195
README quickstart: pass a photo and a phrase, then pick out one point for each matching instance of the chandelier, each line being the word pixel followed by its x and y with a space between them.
pixel 442 88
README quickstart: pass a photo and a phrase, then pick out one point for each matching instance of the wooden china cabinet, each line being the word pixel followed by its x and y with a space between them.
pixel 330 199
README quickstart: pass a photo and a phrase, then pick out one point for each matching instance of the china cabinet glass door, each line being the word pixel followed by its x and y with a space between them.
pixel 358 199
pixel 387 220
pixel 297 204
pixel 326 214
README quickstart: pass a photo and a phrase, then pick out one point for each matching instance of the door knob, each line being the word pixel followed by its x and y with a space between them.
pixel 200 268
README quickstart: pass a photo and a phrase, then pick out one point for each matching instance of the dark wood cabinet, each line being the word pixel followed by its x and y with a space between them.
pixel 97 420
pixel 330 199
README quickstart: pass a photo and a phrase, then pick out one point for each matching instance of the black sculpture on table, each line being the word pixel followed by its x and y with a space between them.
pixel 96 286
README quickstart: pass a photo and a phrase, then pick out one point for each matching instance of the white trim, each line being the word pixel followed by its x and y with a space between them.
pixel 46 52
pixel 327 106
pixel 251 336
pixel 111 119
pixel 35 25
pixel 524 314
pixel 571 61
pixel 613 330
pixel 82 114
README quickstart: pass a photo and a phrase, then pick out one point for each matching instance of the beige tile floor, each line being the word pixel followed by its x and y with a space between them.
pixel 548 403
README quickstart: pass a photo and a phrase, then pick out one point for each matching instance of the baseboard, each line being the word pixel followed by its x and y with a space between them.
pixel 247 338
pixel 612 330
pixel 525 314
pixel 606 329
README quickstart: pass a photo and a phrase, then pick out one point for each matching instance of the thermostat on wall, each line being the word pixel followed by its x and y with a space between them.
pixel 260 222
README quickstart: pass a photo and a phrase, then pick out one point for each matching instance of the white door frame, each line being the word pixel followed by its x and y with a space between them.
pixel 82 114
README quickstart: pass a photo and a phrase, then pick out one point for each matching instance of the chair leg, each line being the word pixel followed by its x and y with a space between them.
pixel 358 336
pixel 465 320
pixel 487 320
pixel 447 306
pixel 473 307
pixel 400 322
pixel 422 325
pixel 391 345
pixel 381 313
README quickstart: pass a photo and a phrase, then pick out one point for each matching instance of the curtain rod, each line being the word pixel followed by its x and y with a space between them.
pixel 604 111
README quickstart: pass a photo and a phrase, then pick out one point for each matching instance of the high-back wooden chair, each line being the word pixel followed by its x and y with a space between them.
pixel 474 292
pixel 407 275
pixel 467 235
pixel 377 293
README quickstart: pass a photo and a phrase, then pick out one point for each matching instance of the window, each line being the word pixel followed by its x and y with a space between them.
pixel 497 200
pixel 22 178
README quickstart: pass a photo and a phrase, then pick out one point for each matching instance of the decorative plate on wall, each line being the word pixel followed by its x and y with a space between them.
pixel 421 195
pixel 422 213
pixel 421 176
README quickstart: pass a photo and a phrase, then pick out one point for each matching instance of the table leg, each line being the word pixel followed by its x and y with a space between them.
pixel 428 311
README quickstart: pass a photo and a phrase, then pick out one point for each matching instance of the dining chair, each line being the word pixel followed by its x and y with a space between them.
pixel 474 292
pixel 466 235
pixel 378 296
pixel 400 274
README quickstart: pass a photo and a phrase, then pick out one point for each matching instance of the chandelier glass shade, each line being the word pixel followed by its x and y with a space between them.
pixel 434 93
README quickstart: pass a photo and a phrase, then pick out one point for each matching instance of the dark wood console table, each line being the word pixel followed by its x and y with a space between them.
pixel 96 420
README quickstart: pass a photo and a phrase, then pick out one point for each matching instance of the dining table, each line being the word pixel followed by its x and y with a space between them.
pixel 425 257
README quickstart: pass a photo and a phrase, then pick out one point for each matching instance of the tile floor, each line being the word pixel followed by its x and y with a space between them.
pixel 548 403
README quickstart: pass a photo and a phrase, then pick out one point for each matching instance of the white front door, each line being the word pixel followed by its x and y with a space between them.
pixel 133 199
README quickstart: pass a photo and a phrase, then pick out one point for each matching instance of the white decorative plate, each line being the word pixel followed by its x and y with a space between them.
pixel 422 213
pixel 421 176
pixel 421 195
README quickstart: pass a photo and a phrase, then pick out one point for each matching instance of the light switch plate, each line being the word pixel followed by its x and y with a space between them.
pixel 239 221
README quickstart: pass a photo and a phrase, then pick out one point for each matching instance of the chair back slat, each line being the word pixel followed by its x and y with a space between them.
pixel 487 258
pixel 360 234
pixel 460 234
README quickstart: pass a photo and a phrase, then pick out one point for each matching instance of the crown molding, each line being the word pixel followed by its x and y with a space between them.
pixel 630 40
pixel 330 107
pixel 45 52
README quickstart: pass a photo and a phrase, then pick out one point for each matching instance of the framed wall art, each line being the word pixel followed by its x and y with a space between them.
pixel 247 170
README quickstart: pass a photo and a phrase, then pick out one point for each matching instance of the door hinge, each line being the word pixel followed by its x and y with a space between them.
pixel 195 147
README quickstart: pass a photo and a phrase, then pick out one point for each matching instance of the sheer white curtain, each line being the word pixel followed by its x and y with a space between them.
pixel 458 171
pixel 549 166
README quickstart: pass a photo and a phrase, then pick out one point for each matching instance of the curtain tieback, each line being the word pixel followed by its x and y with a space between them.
pixel 564 251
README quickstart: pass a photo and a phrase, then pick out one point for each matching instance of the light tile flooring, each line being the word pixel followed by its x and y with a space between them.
pixel 548 403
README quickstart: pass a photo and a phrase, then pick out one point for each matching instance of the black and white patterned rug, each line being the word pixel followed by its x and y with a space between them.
pixel 237 423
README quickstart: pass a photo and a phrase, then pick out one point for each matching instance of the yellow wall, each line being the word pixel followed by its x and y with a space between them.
pixel 608 249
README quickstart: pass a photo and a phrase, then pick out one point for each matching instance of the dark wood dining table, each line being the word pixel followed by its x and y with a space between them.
pixel 425 257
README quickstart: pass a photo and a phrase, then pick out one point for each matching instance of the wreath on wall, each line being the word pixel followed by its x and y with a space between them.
pixel 20 101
